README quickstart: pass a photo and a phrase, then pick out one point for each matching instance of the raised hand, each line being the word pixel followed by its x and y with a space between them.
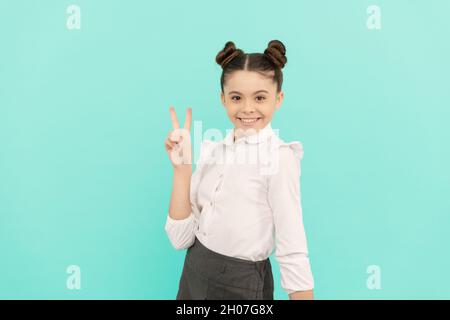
pixel 178 141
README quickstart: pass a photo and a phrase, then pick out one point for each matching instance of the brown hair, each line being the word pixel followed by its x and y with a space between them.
pixel 272 60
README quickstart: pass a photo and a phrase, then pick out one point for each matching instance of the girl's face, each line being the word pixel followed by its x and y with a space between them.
pixel 250 99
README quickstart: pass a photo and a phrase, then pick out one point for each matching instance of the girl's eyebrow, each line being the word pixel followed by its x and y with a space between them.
pixel 231 92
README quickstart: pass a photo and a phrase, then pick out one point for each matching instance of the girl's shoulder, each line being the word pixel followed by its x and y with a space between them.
pixel 296 147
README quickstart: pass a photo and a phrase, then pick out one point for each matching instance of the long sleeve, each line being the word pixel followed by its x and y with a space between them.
pixel 181 233
pixel 285 201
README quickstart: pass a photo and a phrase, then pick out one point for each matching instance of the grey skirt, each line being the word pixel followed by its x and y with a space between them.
pixel 208 275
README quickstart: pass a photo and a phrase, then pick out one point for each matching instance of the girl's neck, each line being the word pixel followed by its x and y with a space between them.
pixel 250 131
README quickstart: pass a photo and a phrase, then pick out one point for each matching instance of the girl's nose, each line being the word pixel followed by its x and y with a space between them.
pixel 248 110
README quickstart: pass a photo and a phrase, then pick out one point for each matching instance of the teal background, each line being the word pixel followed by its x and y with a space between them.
pixel 85 180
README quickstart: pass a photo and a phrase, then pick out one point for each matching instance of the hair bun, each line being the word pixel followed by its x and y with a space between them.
pixel 227 54
pixel 276 53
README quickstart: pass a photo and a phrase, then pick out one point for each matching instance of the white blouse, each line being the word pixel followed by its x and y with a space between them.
pixel 245 200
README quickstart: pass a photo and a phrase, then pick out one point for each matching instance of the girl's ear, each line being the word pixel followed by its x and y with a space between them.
pixel 279 99
pixel 222 98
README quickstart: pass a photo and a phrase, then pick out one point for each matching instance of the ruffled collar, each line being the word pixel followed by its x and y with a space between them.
pixel 249 136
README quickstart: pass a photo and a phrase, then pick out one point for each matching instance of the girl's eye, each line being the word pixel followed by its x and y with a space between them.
pixel 232 98
pixel 262 98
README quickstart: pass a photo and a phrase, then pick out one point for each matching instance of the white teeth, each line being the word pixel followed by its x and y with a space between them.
pixel 249 120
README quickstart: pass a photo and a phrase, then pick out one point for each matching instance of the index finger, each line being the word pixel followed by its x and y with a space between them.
pixel 174 118
pixel 187 121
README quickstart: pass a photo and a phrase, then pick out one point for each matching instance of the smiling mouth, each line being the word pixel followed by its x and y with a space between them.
pixel 248 121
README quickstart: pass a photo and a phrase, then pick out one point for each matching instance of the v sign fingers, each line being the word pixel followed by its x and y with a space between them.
pixel 174 118
pixel 188 120
pixel 178 142
pixel 175 125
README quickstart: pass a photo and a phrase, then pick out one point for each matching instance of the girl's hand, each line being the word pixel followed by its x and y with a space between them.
pixel 178 142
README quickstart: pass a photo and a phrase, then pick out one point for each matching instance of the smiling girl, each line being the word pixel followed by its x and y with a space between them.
pixel 231 215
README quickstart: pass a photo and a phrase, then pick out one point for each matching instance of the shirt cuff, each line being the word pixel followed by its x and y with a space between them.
pixel 296 274
pixel 171 221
